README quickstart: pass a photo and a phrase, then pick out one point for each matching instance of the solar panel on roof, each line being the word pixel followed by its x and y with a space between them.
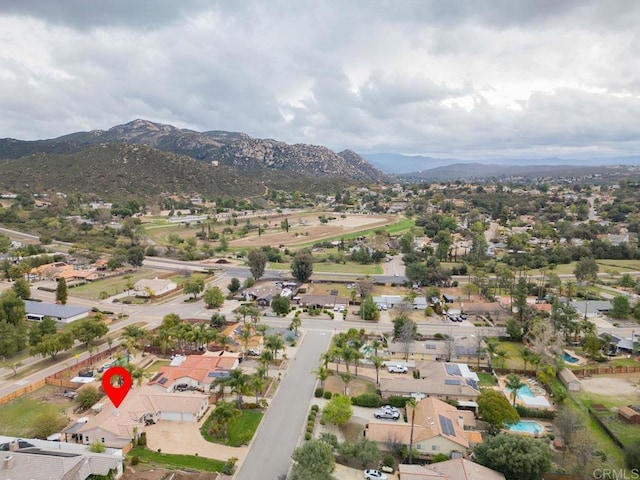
pixel 451 381
pixel 430 346
pixel 163 380
pixel 447 426
pixel 452 369
pixel 212 374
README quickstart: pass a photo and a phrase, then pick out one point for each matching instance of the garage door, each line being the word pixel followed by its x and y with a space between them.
pixel 188 417
pixel 171 416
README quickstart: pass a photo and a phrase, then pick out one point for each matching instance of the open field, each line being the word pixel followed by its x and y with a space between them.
pixel 176 461
pixel 357 386
pixel 111 285
pixel 349 267
pixel 19 416
pixel 307 229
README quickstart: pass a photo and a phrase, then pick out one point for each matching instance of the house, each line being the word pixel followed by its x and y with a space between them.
pixel 437 428
pixel 456 469
pixel 48 271
pixel 264 295
pixel 446 381
pixel 197 371
pixel 116 427
pixel 629 415
pixel 592 308
pixel 153 287
pixel 234 334
pixel 323 301
pixel 389 301
pixel 447 298
pixel 34 459
pixel 36 311
pixel 569 380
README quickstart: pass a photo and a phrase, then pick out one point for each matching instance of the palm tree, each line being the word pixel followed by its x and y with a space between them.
pixel 346 378
pixel 238 382
pixel 514 383
pixel 274 343
pixel 501 357
pixel 411 404
pixel 492 349
pixel 527 357
pixel 245 335
pixel 222 415
pixel 138 374
pixel 257 384
pixel 377 363
pixel 321 374
pixel 295 324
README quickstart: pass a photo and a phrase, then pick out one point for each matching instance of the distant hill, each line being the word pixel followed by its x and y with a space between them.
pixel 394 163
pixel 113 171
pixel 234 150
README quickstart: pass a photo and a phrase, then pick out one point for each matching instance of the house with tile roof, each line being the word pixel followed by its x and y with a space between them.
pixel 115 428
pixel 196 371
pixel 437 428
pixel 456 469
pixel 153 287
pixel 446 381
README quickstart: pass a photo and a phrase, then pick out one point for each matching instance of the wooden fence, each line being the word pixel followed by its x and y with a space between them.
pixel 22 391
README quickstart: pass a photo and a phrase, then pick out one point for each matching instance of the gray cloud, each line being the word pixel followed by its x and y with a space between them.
pixel 472 79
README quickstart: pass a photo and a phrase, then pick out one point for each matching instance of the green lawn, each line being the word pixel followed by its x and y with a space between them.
pixel 172 461
pixel 157 365
pixel 18 417
pixel 240 429
pixel 514 354
pixel 487 380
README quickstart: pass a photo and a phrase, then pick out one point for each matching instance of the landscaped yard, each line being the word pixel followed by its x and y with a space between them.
pixel 157 365
pixel 240 429
pixel 357 386
pixel 487 380
pixel 111 285
pixel 176 461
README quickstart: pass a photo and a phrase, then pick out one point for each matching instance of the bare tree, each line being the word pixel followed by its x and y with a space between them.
pixel 393 443
pixel 568 422
pixel 406 338
pixel 583 448
pixel 449 348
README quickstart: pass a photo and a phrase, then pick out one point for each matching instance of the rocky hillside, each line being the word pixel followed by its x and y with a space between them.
pixel 113 171
pixel 235 150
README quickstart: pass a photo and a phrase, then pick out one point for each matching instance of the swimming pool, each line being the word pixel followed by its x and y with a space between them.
pixel 525 426
pixel 570 358
pixel 523 391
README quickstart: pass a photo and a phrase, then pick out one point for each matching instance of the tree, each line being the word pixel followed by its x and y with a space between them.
pixel 135 256
pixel 274 343
pixel 621 308
pixel 586 270
pixel 22 289
pixel 52 344
pixel 284 224
pixel 363 452
pixel 220 418
pixel 97 447
pixel 47 423
pixel 632 455
pixel 61 291
pixel 313 461
pixel 369 309
pixel 377 363
pixel 296 323
pixel 496 410
pixel 238 381
pixel 213 297
pixel 568 421
pixel 322 373
pixel 407 330
pixel 38 330
pixel 302 265
pixel 281 305
pixel 513 384
pixel 257 260
pixel 338 411
pixel 407 243
pixel 193 286
pixel 234 285
pixel 87 397
pixel 86 331
pixel 516 456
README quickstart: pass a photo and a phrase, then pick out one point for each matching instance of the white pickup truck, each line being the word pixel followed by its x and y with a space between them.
pixel 397 369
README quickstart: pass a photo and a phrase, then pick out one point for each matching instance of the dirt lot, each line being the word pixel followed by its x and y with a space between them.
pixel 309 229
pixel 622 385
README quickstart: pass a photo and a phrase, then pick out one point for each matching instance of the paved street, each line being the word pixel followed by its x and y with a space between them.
pixel 282 426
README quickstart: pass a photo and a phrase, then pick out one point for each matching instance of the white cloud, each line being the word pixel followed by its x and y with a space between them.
pixel 472 79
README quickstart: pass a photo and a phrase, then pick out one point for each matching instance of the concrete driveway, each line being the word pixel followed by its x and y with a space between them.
pixel 346 473
pixel 184 438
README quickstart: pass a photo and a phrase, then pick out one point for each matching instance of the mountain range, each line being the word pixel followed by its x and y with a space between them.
pixel 143 157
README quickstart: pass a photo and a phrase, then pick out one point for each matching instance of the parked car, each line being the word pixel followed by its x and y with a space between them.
pixel 181 387
pixel 374 475
pixel 397 369
pixel 391 408
pixel 388 414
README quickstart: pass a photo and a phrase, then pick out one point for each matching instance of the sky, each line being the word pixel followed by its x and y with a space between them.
pixel 466 79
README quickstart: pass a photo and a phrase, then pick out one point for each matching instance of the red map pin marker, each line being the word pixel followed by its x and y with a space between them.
pixel 116 393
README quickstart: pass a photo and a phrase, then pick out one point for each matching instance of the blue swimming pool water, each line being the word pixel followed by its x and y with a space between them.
pixel 524 426
pixel 524 391
pixel 570 358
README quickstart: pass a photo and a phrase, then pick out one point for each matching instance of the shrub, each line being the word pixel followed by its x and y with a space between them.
pixel 250 405
pixel 416 374
pixel 328 395
pixel 142 440
pixel 389 461
pixel 135 460
pixel 307 436
pixel 398 402
pixel 525 412
pixel 315 408
pixel 367 400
